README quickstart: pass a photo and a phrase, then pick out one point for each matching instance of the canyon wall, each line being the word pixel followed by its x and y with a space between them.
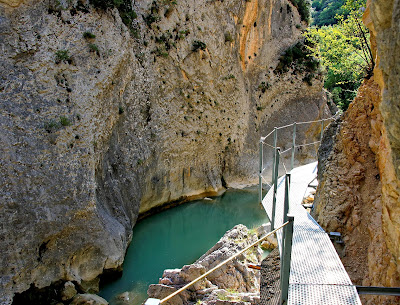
pixel 359 165
pixel 102 120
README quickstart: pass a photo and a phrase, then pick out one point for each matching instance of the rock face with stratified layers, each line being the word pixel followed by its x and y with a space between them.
pixel 359 188
pixel 101 121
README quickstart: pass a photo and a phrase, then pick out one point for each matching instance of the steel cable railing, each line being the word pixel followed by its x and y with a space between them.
pixel 277 153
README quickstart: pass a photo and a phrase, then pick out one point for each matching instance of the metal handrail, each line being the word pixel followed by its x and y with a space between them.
pixel 152 301
pixel 374 290
pixel 277 153
pixel 297 123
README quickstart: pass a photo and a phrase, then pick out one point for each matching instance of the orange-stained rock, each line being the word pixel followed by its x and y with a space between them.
pixel 359 190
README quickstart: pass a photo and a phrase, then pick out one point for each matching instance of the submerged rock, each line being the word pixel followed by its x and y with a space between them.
pixel 233 283
pixel 88 299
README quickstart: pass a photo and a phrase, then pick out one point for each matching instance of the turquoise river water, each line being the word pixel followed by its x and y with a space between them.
pixel 179 236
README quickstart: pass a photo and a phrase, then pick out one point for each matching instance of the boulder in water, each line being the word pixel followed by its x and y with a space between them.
pixel 88 299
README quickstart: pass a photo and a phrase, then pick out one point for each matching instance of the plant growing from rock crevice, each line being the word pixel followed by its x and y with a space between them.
pixel 229 76
pixel 88 35
pixel 197 44
pixel 264 86
pixel 63 56
pixel 161 51
pixel 153 15
pixel 228 37
pixel 94 48
pixel 53 125
pixel 64 121
pixel 124 7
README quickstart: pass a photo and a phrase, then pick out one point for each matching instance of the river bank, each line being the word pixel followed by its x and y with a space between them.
pixel 179 236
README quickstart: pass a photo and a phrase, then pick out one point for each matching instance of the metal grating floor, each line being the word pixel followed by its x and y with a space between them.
pixel 300 294
pixel 317 275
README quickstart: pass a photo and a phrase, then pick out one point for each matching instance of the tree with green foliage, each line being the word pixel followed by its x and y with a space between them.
pixel 325 11
pixel 344 51
pixel 303 7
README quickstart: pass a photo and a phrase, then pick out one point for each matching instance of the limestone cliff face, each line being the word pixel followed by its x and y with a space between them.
pixel 97 129
pixel 359 165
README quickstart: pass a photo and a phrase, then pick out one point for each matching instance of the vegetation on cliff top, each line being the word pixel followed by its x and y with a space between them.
pixel 344 51
pixel 303 7
pixel 124 7
pixel 325 11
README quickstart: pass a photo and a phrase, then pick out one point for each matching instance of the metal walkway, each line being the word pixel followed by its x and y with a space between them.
pixel 317 275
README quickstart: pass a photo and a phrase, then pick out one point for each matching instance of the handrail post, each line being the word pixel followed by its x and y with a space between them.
pixel 286 205
pixel 286 259
pixel 286 200
pixel 275 179
pixel 322 129
pixel 273 164
pixel 261 170
pixel 293 145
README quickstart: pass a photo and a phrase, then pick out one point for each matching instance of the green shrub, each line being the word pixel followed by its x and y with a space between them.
pixel 127 17
pixel 183 34
pixel 88 35
pixel 64 121
pixel 120 110
pixel 228 37
pixel 62 55
pixel 135 33
pixel 151 18
pixel 54 125
pixel 299 57
pixel 264 86
pixel 308 79
pixel 94 48
pixel 124 8
pixel 51 125
pixel 303 7
pixel 197 44
pixel 162 39
pixel 229 76
pixel 161 51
